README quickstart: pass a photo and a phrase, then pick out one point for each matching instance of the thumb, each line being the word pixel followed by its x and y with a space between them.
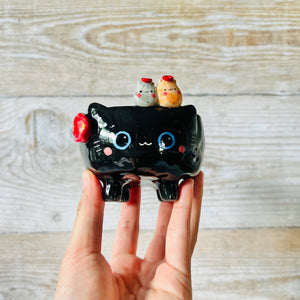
pixel 87 231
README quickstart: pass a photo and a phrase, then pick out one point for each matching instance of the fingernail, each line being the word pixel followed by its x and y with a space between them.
pixel 85 179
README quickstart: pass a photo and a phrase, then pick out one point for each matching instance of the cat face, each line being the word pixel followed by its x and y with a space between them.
pixel 145 93
pixel 144 141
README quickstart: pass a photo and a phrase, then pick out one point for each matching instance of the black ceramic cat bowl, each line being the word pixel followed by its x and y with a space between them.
pixel 123 144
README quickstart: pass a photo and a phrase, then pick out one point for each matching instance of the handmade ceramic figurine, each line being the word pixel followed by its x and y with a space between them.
pixel 169 94
pixel 123 144
pixel 145 93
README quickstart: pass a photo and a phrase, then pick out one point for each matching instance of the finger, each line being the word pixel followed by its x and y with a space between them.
pixel 156 249
pixel 128 228
pixel 87 231
pixel 196 209
pixel 178 234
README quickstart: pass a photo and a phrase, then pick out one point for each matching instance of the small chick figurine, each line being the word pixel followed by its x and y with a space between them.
pixel 169 95
pixel 145 94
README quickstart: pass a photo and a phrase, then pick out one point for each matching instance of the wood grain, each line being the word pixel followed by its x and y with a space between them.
pixel 227 264
pixel 102 47
pixel 237 61
pixel 252 163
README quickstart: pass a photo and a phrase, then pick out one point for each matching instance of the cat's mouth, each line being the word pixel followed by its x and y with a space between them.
pixel 145 144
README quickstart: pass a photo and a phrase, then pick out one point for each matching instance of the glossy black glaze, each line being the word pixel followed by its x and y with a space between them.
pixel 130 141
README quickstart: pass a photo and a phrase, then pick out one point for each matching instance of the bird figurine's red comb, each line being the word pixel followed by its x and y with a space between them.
pixel 167 77
pixel 146 80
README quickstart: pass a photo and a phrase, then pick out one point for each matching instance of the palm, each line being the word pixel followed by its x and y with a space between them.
pixel 128 276
pixel 164 272
pixel 143 279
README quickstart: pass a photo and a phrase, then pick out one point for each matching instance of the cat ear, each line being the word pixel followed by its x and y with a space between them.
pixel 185 115
pixel 101 114
pixel 99 108
pixel 188 111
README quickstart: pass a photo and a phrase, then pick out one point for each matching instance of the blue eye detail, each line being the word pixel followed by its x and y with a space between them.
pixel 122 140
pixel 166 140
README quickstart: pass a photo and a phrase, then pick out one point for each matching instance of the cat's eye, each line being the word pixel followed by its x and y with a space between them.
pixel 122 140
pixel 166 140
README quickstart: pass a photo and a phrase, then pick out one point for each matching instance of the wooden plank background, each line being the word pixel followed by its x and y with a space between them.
pixel 238 62
pixel 227 264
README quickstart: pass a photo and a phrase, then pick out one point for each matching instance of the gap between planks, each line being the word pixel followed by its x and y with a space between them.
pixel 227 264
pixel 128 96
pixel 107 231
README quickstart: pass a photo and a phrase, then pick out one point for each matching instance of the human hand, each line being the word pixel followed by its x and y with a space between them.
pixel 165 271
